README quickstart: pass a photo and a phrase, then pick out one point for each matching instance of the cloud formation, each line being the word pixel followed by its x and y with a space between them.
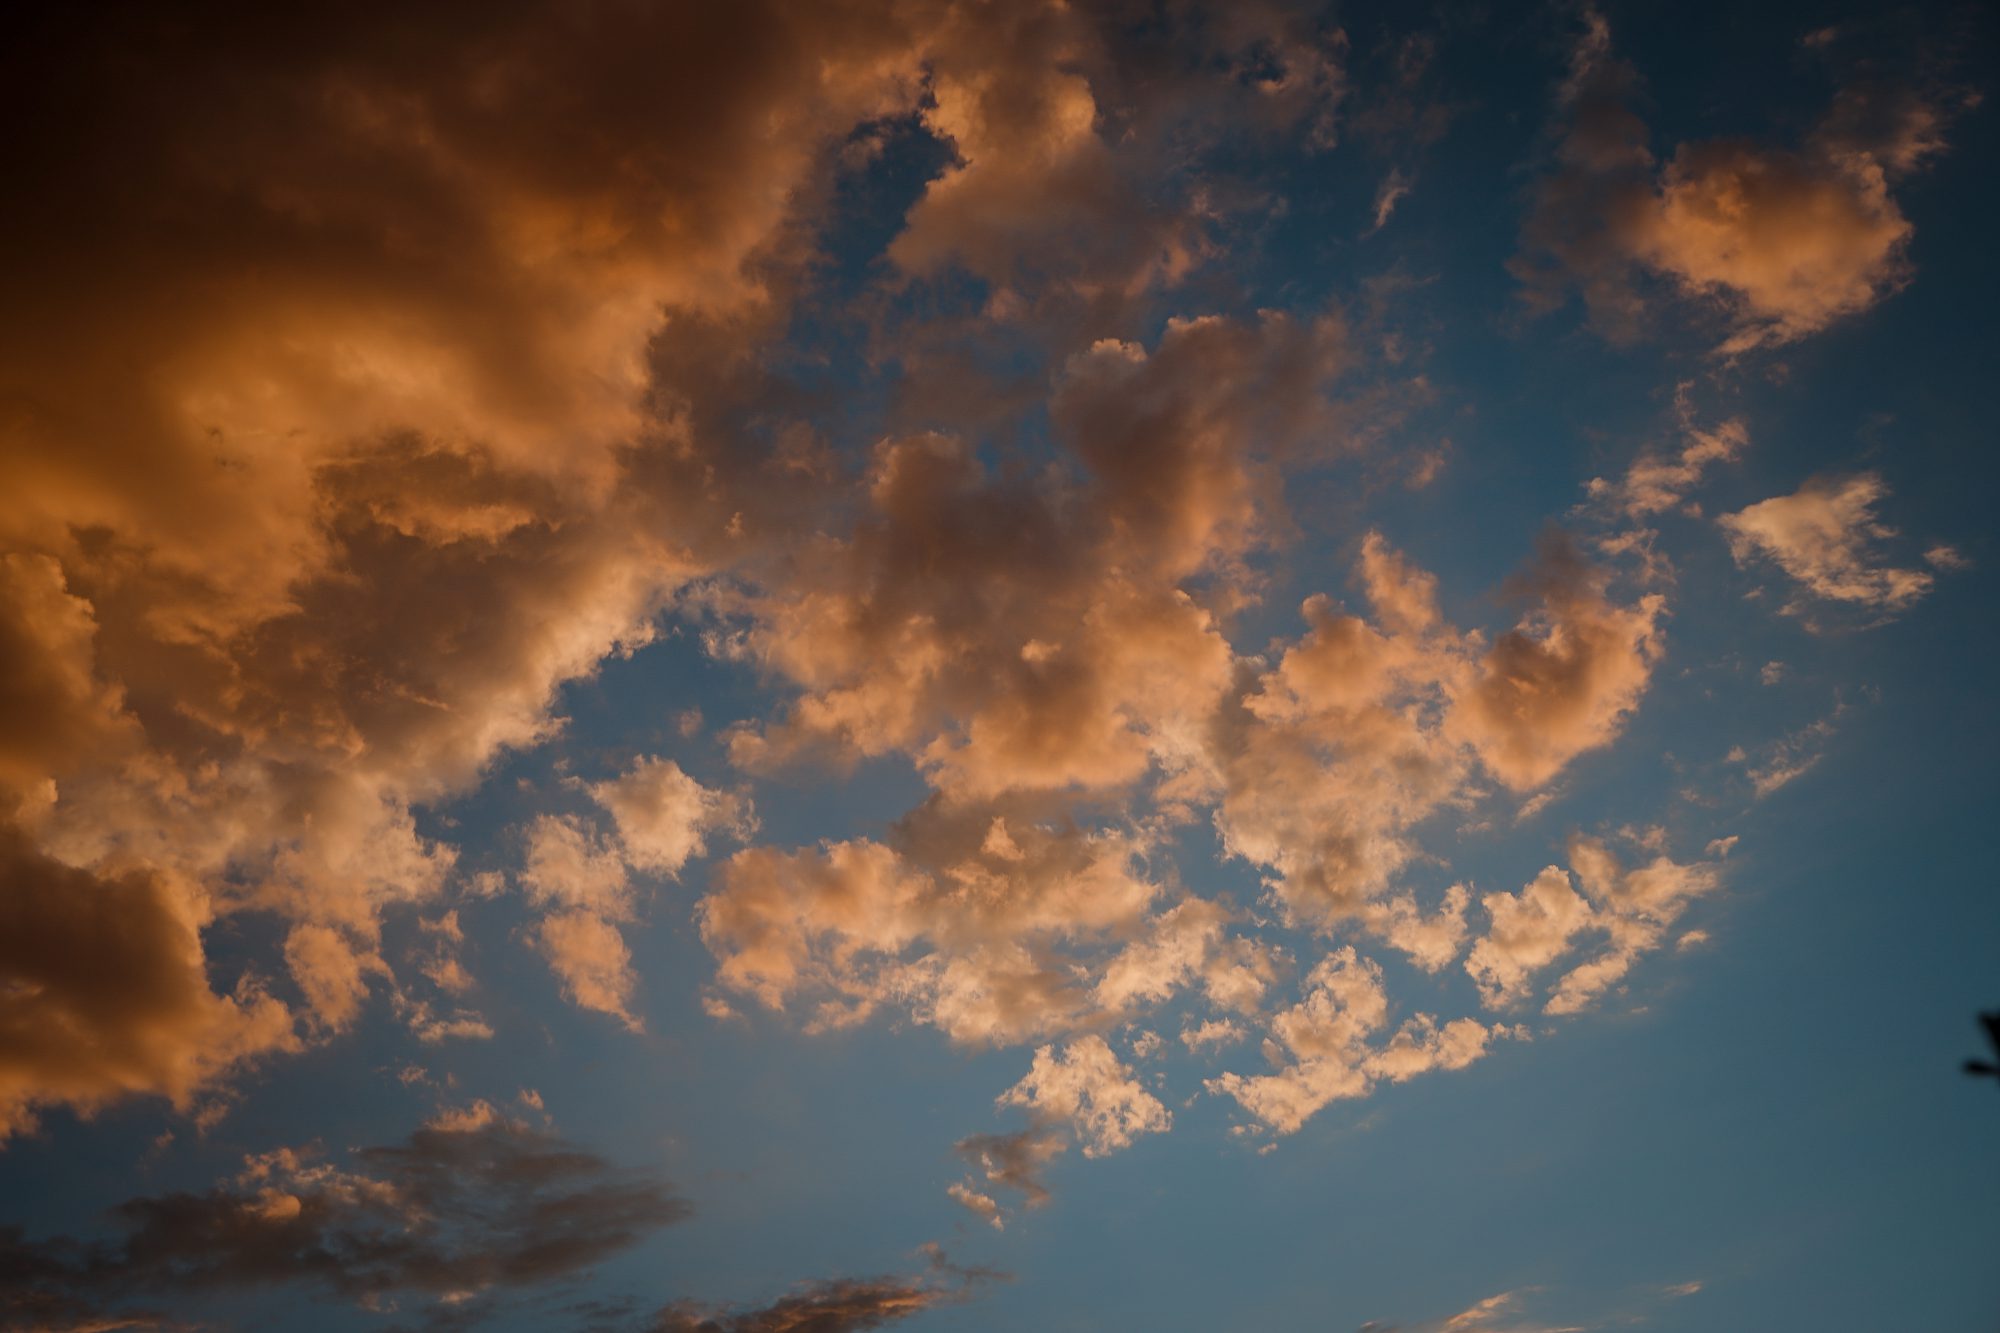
pixel 1782 243
pixel 1826 537
pixel 472 1202
pixel 838 1305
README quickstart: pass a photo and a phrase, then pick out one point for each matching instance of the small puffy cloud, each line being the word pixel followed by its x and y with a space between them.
pixel 590 957
pixel 1826 537
pixel 569 867
pixel 1528 931
pixel 664 817
pixel 1216 1032
pixel 1634 907
pixel 979 1205
pixel 1562 682
pixel 1783 242
pixel 1088 1087
pixel 1431 940
pixel 1331 1046
pixel 1630 910
pixel 993 931
pixel 1657 481
pixel 332 972
pixel 580 882
pixel 581 878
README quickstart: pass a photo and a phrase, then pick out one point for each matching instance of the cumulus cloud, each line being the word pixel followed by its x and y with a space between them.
pixel 334 420
pixel 1784 242
pixel 581 877
pixel 1036 633
pixel 1336 1044
pixel 360 428
pixel 1090 1089
pixel 1562 682
pixel 1826 537
pixel 995 944
pixel 1630 910
pixel 106 991
pixel 1033 185
pixel 1529 930
pixel 1365 729
pixel 665 817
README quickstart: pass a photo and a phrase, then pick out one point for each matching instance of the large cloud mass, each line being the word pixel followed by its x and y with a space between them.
pixel 377 377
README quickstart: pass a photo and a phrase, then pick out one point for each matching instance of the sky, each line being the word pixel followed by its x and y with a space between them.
pixel 791 668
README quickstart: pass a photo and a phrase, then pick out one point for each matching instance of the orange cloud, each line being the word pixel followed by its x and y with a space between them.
pixel 108 994
pixel 1826 537
pixel 1783 242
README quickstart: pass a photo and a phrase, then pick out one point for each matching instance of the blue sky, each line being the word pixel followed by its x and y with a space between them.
pixel 1073 667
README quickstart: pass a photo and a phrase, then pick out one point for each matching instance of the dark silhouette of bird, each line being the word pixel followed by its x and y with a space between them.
pixel 1987 1068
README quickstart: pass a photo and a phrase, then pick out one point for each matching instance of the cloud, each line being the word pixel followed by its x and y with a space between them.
pixel 1087 1086
pixel 361 428
pixel 1033 184
pixel 593 961
pixel 1500 1313
pixel 1394 188
pixel 1561 683
pixel 582 878
pixel 1793 242
pixel 1783 242
pixel 1788 758
pixel 1515 1312
pixel 1015 1161
pixel 1329 1046
pixel 1365 729
pixel 1826 537
pixel 1529 930
pixel 1657 482
pixel 1035 633
pixel 840 1305
pixel 471 1203
pixel 344 422
pixel 664 817
pixel 107 992
pixel 1630 909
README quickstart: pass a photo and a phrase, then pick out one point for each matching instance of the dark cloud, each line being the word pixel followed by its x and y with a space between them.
pixel 460 1208
pixel 840 1305
pixel 1014 1161
pixel 103 989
